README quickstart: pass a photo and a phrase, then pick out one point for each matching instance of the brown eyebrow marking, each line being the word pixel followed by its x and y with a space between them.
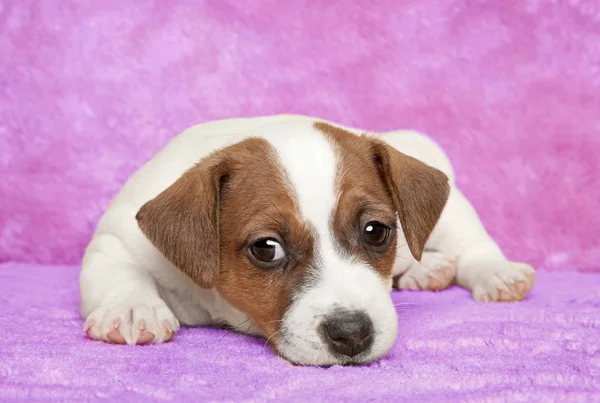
pixel 361 192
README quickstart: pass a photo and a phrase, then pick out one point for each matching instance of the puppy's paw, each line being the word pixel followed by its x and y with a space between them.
pixel 433 272
pixel 132 324
pixel 507 283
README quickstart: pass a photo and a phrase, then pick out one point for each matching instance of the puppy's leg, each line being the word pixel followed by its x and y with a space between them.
pixel 481 265
pixel 120 300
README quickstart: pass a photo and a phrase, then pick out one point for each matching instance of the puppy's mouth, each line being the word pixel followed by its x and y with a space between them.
pixel 320 355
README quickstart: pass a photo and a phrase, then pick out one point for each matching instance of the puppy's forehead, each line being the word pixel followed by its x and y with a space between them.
pixel 357 177
pixel 309 160
pixel 320 161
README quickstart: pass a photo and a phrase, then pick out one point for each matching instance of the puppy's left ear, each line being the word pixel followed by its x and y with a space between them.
pixel 418 191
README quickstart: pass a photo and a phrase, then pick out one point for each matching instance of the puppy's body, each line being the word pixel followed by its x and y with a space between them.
pixel 135 291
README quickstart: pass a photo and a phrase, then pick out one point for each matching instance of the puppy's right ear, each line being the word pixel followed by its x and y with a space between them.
pixel 182 222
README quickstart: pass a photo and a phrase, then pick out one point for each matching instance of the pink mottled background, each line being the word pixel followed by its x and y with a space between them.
pixel 511 89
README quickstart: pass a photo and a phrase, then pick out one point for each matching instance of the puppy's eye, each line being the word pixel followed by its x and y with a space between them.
pixel 376 233
pixel 267 250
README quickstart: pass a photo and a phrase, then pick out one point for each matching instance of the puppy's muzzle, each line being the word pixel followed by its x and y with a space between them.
pixel 348 333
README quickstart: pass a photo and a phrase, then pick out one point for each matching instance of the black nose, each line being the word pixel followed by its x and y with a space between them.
pixel 348 333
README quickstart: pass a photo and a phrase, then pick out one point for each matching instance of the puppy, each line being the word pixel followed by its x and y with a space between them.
pixel 291 228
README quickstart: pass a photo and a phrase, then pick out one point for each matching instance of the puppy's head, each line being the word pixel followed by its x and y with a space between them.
pixel 298 229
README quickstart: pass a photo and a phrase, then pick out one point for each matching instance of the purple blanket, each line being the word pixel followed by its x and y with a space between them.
pixel 511 89
pixel 448 348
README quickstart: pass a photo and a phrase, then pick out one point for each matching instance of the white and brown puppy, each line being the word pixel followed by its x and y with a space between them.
pixel 291 228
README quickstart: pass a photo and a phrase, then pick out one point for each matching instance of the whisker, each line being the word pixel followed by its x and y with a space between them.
pixel 279 211
pixel 274 321
pixel 244 321
pixel 266 341
pixel 249 327
pixel 405 304
pixel 235 328
pixel 224 334
pixel 401 246
pixel 271 217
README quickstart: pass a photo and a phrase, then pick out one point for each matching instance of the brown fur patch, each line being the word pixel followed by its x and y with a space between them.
pixel 205 222
pixel 362 197
pixel 371 168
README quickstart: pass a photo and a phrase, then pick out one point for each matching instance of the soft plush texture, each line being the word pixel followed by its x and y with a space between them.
pixel 449 348
pixel 89 90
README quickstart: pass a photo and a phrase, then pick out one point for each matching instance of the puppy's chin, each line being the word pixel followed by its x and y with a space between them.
pixel 328 361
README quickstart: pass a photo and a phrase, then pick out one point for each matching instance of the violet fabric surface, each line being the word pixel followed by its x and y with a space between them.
pixel 89 90
pixel 449 348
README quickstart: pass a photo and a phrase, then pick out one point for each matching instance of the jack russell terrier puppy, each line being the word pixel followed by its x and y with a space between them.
pixel 290 228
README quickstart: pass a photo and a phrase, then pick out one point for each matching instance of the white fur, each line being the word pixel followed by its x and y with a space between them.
pixel 434 268
pixel 459 233
pixel 339 283
pixel 123 273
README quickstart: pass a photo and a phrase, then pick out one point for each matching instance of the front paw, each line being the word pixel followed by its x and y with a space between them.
pixel 132 323
pixel 508 283
pixel 434 272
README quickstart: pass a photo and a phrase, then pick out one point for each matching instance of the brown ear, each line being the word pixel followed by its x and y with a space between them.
pixel 419 193
pixel 182 222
